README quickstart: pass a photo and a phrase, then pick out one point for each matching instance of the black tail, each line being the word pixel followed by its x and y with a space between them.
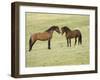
pixel 80 39
pixel 30 44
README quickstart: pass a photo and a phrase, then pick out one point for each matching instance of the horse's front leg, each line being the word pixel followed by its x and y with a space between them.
pixel 49 44
pixel 31 44
pixel 67 42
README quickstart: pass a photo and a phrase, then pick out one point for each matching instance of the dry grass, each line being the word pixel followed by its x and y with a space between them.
pixel 59 54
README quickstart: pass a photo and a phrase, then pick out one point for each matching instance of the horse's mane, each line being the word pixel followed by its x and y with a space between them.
pixel 66 28
pixel 48 29
pixel 51 28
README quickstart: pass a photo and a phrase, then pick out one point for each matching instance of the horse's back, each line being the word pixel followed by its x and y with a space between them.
pixel 74 33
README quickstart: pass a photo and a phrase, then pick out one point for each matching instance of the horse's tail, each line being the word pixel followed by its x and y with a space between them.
pixel 30 44
pixel 80 39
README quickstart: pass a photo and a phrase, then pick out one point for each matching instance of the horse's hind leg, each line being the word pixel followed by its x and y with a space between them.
pixel 31 44
pixel 49 46
pixel 75 41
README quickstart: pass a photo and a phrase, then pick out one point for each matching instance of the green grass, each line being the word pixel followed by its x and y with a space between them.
pixel 59 54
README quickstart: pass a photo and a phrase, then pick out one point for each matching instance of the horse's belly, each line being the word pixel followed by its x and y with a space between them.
pixel 70 36
pixel 43 37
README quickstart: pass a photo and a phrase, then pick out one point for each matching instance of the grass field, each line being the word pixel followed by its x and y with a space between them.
pixel 59 54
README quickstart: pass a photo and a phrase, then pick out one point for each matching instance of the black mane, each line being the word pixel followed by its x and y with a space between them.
pixel 51 28
pixel 65 28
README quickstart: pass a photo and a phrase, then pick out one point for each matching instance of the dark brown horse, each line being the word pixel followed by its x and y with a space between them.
pixel 69 34
pixel 44 36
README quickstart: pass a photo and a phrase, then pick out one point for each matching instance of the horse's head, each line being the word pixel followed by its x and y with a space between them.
pixel 56 28
pixel 64 29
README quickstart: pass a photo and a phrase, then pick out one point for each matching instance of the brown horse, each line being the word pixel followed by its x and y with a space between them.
pixel 44 36
pixel 69 34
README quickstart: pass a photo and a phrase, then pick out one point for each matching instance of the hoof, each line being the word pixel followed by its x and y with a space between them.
pixel 49 48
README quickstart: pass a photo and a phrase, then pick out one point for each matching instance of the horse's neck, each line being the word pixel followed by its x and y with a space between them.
pixel 68 32
pixel 49 31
